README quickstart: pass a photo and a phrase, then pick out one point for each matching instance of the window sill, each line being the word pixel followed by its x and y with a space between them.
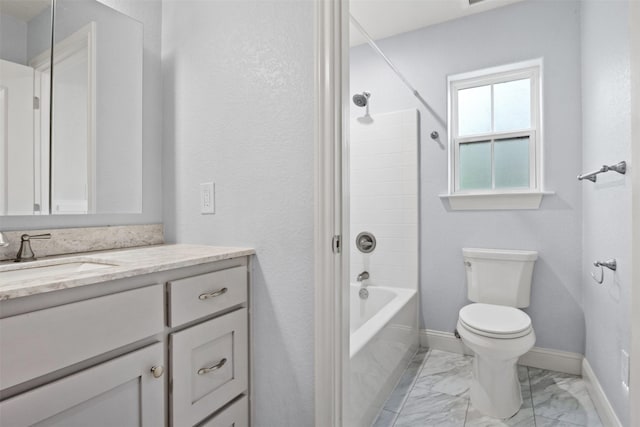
pixel 495 201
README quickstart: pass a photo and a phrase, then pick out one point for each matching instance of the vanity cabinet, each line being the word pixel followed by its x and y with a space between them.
pixel 120 392
pixel 209 361
pixel 161 349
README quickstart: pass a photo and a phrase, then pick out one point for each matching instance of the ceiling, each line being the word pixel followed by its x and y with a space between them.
pixel 380 18
pixel 385 18
pixel 23 10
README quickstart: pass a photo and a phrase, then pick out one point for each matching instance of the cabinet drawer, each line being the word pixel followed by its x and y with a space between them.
pixel 194 297
pixel 121 392
pixel 209 367
pixel 236 415
pixel 36 343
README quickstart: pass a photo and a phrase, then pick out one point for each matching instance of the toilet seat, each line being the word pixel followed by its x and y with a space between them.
pixel 495 321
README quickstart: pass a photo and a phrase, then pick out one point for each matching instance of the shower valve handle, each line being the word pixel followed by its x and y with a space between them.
pixel 365 243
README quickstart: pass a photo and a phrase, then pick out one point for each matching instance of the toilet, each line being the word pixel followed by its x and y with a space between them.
pixel 493 327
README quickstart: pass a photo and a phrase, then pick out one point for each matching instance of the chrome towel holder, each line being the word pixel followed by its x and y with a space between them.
pixel 611 264
pixel 621 168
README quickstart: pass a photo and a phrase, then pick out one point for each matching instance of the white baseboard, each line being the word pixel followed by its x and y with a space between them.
pixel 553 360
pixel 543 358
pixel 602 404
pixel 444 341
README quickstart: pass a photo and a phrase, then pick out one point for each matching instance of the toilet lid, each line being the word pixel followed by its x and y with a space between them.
pixel 494 319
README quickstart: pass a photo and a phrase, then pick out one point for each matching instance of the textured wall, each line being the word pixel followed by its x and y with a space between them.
pixel 238 94
pixel 606 129
pixel 514 33
pixel 149 14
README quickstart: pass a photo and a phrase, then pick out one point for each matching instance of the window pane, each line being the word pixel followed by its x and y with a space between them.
pixel 474 110
pixel 512 162
pixel 512 105
pixel 475 165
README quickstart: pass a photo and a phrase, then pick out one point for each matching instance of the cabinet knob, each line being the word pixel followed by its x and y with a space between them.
pixel 157 371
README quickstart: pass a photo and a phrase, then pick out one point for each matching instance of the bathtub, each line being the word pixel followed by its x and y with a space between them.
pixel 383 338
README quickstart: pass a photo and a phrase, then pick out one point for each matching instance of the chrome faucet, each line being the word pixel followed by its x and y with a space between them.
pixel 362 276
pixel 363 292
pixel 25 253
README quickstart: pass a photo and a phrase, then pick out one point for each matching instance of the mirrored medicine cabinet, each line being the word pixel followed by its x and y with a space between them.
pixel 70 108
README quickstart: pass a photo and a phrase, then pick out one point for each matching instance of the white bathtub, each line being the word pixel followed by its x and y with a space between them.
pixel 384 336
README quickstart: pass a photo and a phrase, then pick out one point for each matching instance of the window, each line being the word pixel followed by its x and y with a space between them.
pixel 494 131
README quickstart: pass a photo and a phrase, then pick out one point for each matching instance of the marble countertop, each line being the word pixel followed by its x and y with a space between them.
pixel 113 265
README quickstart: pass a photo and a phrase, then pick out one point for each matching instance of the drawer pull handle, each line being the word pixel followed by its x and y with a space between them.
pixel 220 364
pixel 217 293
pixel 157 371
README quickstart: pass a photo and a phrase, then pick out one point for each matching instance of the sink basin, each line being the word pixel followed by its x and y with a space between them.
pixel 35 271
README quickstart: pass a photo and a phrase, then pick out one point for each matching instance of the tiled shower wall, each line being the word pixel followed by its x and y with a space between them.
pixel 384 197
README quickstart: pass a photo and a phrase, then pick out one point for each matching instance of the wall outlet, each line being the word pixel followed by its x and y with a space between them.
pixel 624 369
pixel 207 198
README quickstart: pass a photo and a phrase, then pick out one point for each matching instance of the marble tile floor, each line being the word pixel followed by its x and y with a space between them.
pixel 434 391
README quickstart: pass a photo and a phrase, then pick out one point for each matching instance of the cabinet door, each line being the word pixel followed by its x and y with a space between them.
pixel 122 392
pixel 209 367
pixel 37 343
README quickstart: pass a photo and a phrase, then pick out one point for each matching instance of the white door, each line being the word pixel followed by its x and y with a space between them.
pixel 16 138
pixel 69 178
pixel 122 392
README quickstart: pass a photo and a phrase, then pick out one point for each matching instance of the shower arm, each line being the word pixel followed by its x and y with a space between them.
pixel 387 60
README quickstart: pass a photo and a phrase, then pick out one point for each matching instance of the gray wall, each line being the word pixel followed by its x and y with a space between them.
pixel 13 39
pixel 527 30
pixel 606 129
pixel 238 96
pixel 150 14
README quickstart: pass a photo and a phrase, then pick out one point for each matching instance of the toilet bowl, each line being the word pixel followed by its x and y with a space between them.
pixel 493 327
pixel 498 336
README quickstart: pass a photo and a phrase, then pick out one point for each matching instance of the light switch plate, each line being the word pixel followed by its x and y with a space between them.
pixel 207 198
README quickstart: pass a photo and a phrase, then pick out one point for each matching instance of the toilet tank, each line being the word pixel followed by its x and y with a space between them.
pixel 499 276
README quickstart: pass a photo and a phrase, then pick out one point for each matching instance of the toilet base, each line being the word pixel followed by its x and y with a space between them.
pixel 495 388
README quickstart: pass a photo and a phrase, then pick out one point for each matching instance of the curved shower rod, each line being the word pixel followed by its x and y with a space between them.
pixel 391 65
pixel 377 49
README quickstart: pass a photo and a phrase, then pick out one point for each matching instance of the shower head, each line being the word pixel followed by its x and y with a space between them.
pixel 361 99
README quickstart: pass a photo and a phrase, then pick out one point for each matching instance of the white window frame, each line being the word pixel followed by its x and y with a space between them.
pixel 501 198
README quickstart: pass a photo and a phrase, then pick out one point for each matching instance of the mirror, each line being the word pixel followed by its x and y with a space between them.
pixel 93 162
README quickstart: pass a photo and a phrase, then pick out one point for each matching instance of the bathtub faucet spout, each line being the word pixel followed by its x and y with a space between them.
pixel 363 276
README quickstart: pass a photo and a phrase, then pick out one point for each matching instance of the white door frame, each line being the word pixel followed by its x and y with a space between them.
pixel 634 389
pixel 330 271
